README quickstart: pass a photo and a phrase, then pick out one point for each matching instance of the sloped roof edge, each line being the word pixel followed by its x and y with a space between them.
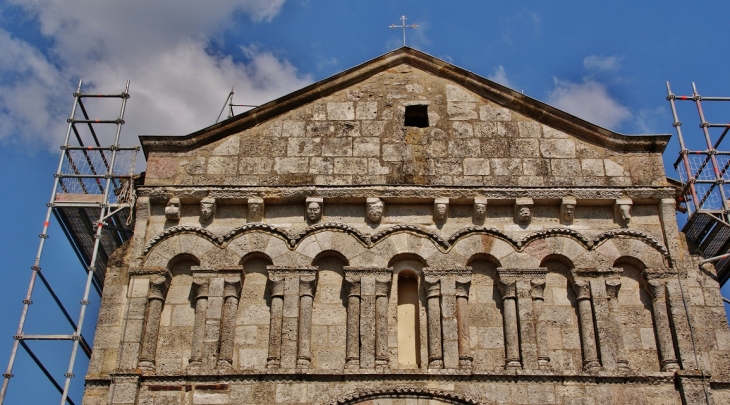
pixel 486 88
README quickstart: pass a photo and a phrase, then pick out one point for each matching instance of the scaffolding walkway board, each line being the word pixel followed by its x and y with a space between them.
pixel 92 200
pixel 704 170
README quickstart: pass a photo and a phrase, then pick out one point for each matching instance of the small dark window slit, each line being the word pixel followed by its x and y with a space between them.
pixel 416 116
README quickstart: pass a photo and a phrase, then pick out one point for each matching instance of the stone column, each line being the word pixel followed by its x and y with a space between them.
pixel 155 301
pixel 306 297
pixel 231 294
pixel 201 306
pixel 352 359
pixel 508 288
pixel 382 287
pixel 463 282
pixel 276 279
pixel 537 288
pixel 587 331
pixel 612 288
pixel 433 307
pixel 657 289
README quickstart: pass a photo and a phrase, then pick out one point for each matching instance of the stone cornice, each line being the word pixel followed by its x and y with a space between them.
pixel 488 89
pixel 300 193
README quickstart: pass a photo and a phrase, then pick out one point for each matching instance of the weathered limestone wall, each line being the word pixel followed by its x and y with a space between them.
pixel 357 136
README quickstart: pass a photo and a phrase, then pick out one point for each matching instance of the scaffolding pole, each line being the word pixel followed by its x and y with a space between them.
pixel 704 170
pixel 84 199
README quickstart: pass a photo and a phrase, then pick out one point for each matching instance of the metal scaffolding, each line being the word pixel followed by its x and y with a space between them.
pixel 704 168
pixel 92 199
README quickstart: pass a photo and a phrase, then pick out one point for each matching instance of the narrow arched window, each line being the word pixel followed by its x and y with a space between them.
pixel 409 352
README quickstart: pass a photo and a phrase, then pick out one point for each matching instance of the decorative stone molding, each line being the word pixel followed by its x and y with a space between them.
pixel 207 208
pixel 443 244
pixel 313 209
pixel 173 209
pixel 523 210
pixel 255 209
pixel 298 193
pixel 369 393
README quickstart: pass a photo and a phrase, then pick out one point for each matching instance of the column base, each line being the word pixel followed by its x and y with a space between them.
pixel 591 365
pixel 512 364
pixel 303 362
pixel 623 365
pixel 436 364
pixel 670 365
pixel 352 364
pixel 146 365
pixel 543 363
pixel 273 363
pixel 466 363
pixel 225 364
pixel 194 364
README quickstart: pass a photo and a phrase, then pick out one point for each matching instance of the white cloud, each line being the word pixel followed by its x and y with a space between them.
pixel 590 101
pixel 603 63
pixel 177 84
pixel 500 76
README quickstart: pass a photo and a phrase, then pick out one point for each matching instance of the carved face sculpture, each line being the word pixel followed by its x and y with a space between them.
pixel 625 210
pixel 172 210
pixel 206 209
pixel 480 210
pixel 568 212
pixel 525 215
pixel 440 211
pixel 375 211
pixel 314 212
pixel 254 210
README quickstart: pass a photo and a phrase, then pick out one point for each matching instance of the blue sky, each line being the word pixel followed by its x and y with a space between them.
pixel 606 62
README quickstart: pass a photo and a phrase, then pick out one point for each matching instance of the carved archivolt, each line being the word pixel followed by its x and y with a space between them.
pixel 293 239
pixel 368 394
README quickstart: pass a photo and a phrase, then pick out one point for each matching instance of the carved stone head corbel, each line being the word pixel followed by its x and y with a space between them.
pixel 480 209
pixel 173 208
pixel 374 208
pixel 255 209
pixel 440 209
pixel 523 210
pixel 567 209
pixel 313 209
pixel 207 208
pixel 623 209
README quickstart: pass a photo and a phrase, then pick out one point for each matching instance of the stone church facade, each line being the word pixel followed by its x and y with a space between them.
pixel 407 232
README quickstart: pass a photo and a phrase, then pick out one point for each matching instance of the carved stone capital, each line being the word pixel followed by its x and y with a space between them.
pixel 508 288
pixel 657 288
pixel 433 286
pixel 276 282
pixel 232 287
pixel 200 287
pixel 158 287
pixel 382 285
pixel 463 284
pixel 537 288
pixel 352 283
pixel 306 283
pixel 612 288
pixel 582 289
